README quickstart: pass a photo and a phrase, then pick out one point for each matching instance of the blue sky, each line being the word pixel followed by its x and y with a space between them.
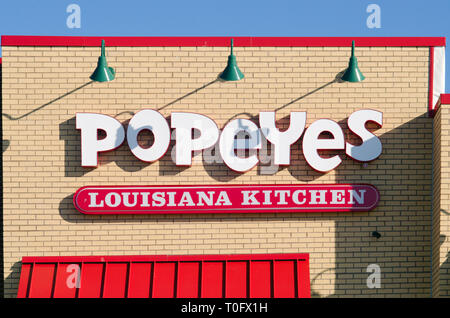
pixel 228 18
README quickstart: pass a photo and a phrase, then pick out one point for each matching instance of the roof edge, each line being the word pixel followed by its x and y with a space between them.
pixel 444 99
pixel 26 40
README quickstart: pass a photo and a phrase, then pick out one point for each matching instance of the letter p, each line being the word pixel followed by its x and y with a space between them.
pixel 89 124
pixel 184 124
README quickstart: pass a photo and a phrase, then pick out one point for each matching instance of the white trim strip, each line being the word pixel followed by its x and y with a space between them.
pixel 439 73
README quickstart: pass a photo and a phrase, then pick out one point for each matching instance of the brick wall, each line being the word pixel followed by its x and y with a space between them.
pixel 1 194
pixel 42 170
pixel 441 206
pixel 436 224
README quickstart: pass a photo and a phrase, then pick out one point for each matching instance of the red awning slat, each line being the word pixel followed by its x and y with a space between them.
pixel 304 285
pixel 67 276
pixel 283 279
pixel 164 280
pixel 91 280
pixel 236 280
pixel 192 276
pixel 188 280
pixel 115 280
pixel 260 279
pixel 212 279
pixel 139 281
pixel 41 284
pixel 24 282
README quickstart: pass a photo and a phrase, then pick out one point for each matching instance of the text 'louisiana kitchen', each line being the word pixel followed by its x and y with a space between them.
pixel 224 197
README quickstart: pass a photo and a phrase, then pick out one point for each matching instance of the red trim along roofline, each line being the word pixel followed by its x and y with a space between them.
pixel 444 99
pixel 24 40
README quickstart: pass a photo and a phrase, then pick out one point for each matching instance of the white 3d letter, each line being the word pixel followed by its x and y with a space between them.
pixel 282 141
pixel 312 143
pixel 151 120
pixel 184 123
pixel 227 144
pixel 89 124
pixel 371 147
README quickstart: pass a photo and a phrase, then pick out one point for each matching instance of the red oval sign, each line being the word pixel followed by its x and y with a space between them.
pixel 225 199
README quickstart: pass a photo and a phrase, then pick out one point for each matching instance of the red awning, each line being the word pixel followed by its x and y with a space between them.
pixel 157 276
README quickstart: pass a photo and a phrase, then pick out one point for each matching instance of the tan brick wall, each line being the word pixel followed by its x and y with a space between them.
pixel 42 162
pixel 436 229
pixel 441 213
pixel 1 202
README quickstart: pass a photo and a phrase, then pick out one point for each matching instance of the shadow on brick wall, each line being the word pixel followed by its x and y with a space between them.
pixel 10 117
pixel 444 289
pixel 12 281
pixel 5 145
pixel 189 94
pixel 402 174
pixel 69 213
pixel 122 156
pixel 299 168
pixel 72 149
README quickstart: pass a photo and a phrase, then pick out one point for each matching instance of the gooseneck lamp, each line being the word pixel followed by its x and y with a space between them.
pixel 103 73
pixel 232 71
pixel 353 74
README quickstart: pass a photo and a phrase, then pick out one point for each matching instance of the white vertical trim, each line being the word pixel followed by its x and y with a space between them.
pixel 439 73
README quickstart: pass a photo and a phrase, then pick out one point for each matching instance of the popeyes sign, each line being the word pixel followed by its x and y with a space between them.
pixel 185 123
pixel 99 200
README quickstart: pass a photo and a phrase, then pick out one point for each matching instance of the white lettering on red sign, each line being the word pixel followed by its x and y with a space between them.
pixel 186 123
pixel 225 199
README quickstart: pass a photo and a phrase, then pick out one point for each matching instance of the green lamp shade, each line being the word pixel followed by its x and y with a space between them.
pixel 103 73
pixel 232 71
pixel 352 73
